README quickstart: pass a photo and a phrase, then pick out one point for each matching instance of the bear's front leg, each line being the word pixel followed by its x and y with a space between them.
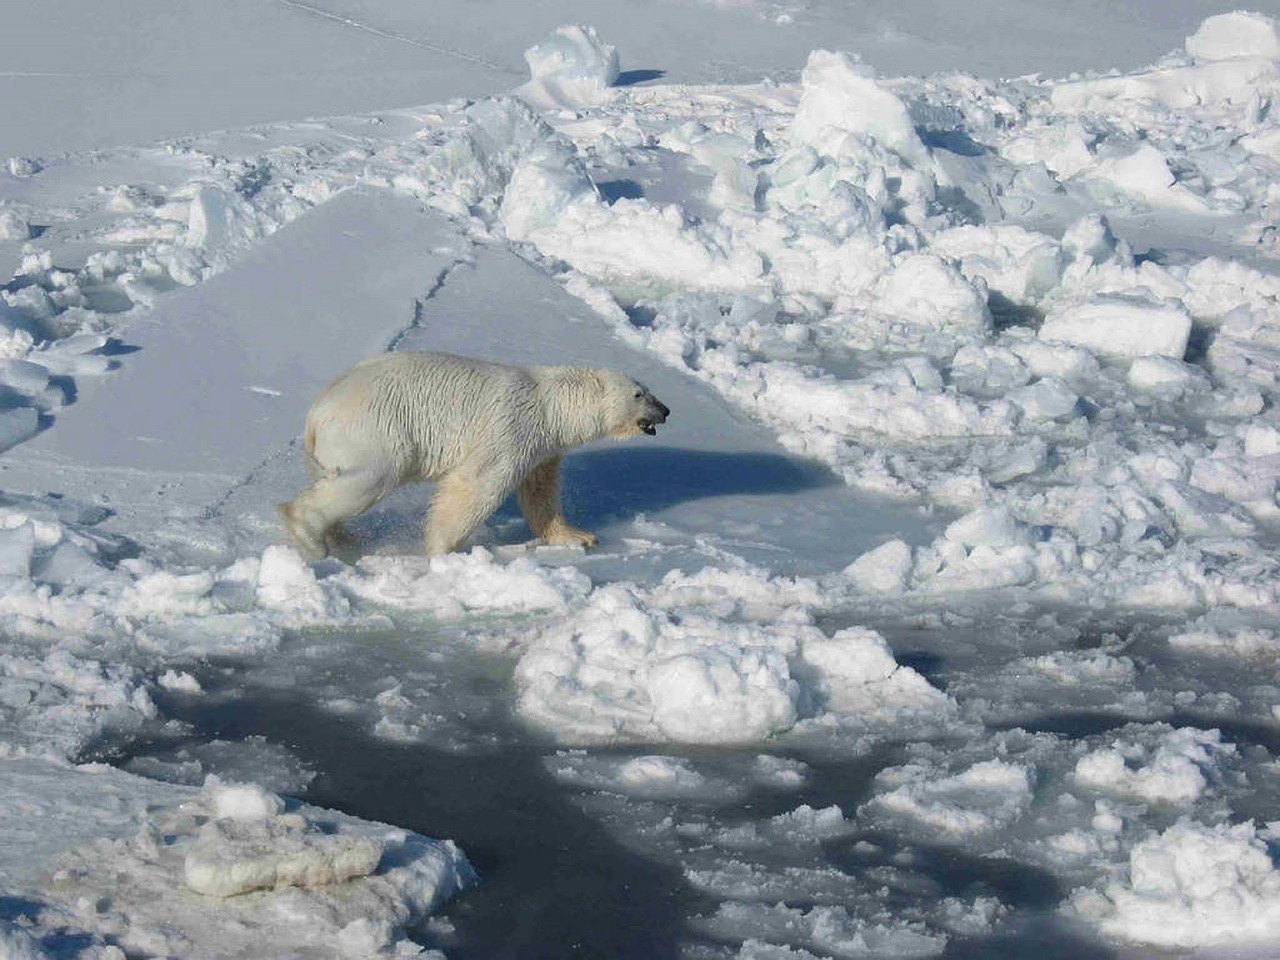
pixel 539 497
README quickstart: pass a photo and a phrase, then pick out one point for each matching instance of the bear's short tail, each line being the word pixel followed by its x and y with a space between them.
pixel 314 467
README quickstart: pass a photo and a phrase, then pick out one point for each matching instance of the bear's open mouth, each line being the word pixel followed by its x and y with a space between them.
pixel 646 426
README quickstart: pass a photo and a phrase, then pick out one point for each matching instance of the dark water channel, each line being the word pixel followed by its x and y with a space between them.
pixel 554 883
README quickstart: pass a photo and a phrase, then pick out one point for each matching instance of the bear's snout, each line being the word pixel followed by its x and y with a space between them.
pixel 655 412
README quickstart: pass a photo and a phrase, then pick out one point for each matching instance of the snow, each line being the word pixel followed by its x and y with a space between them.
pixel 957 563
pixel 839 97
pixel 572 66
pixel 1231 35
pixel 130 887
pixel 1192 886
pixel 1121 327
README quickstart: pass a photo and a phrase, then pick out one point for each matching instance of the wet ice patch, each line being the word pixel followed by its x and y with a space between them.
pixel 979 801
pixel 55 703
pixel 781 931
pixel 232 867
pixel 656 777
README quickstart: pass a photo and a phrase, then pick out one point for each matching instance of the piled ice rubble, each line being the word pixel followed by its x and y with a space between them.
pixel 665 666
pixel 233 869
pixel 1192 886
pixel 923 283
pixel 914 280
pixel 835 284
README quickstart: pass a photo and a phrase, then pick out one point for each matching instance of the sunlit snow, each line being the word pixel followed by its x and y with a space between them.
pixel 940 619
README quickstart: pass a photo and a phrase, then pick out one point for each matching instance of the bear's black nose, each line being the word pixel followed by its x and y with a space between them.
pixel 663 410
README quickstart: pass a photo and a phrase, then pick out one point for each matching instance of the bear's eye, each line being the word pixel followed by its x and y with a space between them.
pixel 639 394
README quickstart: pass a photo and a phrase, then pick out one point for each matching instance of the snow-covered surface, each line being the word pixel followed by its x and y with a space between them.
pixel 941 616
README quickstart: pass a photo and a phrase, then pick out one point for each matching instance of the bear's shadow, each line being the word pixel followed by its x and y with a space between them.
pixel 605 484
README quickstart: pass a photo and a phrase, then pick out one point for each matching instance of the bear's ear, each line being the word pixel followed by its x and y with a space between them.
pixel 599 380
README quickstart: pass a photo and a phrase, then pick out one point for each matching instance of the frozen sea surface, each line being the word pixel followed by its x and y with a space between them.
pixel 940 619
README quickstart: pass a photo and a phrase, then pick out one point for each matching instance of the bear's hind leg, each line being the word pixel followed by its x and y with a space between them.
pixel 463 500
pixel 312 517
pixel 539 497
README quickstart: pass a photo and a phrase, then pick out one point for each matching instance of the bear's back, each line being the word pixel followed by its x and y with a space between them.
pixel 428 410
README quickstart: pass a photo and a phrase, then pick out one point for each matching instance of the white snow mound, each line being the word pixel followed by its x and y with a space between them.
pixel 1192 886
pixel 841 96
pixel 1238 34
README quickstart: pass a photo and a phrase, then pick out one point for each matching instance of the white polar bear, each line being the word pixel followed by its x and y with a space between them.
pixel 479 429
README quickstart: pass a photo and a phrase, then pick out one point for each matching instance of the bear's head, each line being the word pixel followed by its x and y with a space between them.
pixel 631 408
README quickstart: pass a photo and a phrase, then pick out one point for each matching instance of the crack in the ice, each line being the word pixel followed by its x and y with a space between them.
pixel 420 304
pixel 399 37
pixel 214 510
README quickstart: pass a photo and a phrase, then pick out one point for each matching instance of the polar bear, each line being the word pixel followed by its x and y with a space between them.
pixel 478 429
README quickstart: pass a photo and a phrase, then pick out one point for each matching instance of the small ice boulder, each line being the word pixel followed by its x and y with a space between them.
pixel 840 96
pixel 989 526
pixel 572 66
pixel 17 544
pixel 1121 326
pixel 927 291
pixel 287 585
pixel 241 801
pixel 1228 36
pixel 1047 399
pixel 24 166
pixel 13 227
pixel 1163 376
pixel 882 570
pixel 722 695
pixel 574 52
pixel 230 857
pixel 1090 241
pixel 211 221
pixel 1260 440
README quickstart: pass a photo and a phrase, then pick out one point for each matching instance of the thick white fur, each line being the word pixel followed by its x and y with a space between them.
pixel 479 429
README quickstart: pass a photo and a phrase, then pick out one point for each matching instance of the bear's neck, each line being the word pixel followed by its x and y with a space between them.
pixel 570 398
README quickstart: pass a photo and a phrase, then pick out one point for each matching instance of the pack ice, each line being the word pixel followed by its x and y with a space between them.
pixel 1037 317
